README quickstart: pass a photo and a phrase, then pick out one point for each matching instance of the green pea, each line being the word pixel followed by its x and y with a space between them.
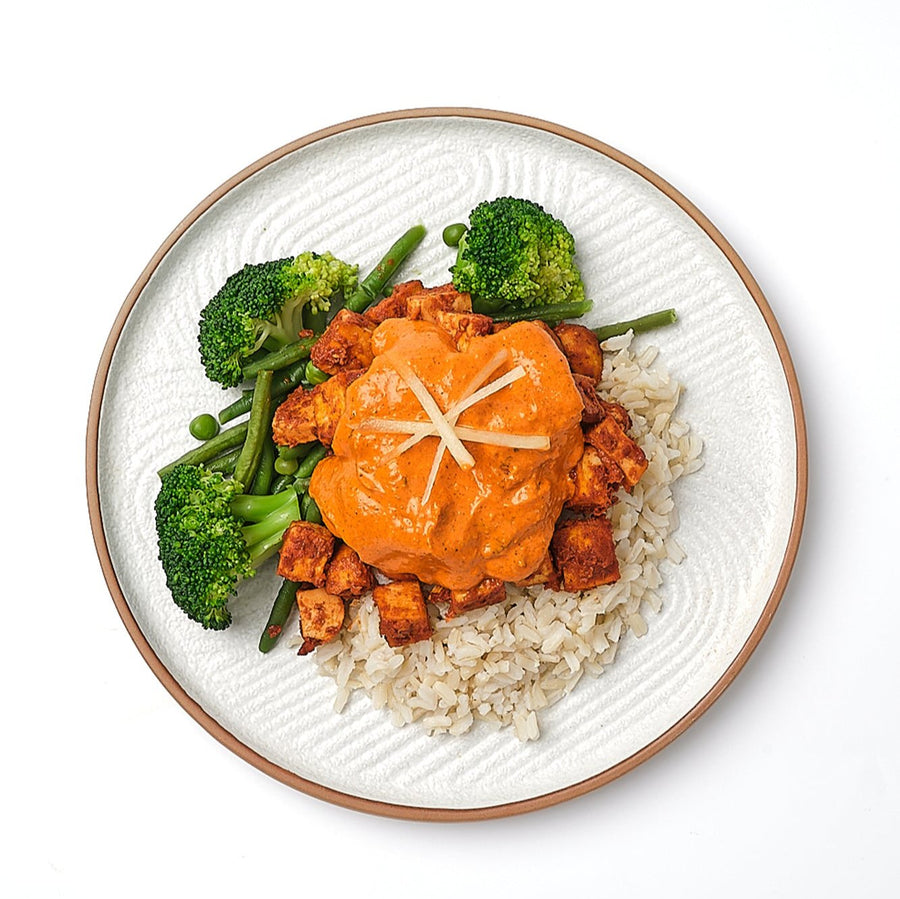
pixel 452 234
pixel 204 427
pixel 285 465
pixel 315 375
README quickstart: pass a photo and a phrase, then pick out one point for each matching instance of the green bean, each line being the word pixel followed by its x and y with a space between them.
pixel 452 234
pixel 307 466
pixel 553 312
pixel 309 510
pixel 257 430
pixel 283 383
pixel 286 379
pixel 262 482
pixel 203 427
pixel 225 440
pixel 638 325
pixel 315 375
pixel 282 482
pixel 281 609
pixel 226 462
pixel 301 451
pixel 237 408
pixel 370 287
pixel 287 355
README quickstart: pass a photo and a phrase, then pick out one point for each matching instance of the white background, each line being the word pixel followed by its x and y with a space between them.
pixel 779 120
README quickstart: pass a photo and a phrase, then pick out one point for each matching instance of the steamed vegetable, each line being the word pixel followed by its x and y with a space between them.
pixel 515 254
pixel 263 307
pixel 211 536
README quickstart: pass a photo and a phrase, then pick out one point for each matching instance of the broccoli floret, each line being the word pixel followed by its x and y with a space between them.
pixel 207 544
pixel 515 254
pixel 262 305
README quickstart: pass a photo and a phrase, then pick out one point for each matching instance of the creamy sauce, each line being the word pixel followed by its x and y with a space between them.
pixel 492 520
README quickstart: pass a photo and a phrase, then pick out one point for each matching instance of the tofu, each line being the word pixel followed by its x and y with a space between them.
pixel 402 613
pixel 545 573
pixel 584 553
pixel 411 299
pixel 463 326
pixel 305 553
pixel 345 344
pixel 307 415
pixel 582 349
pixel 487 593
pixel 611 440
pixel 395 305
pixel 321 617
pixel 427 303
pixel 438 594
pixel 330 401
pixel 294 421
pixel 347 574
pixel 595 478
pixel 619 414
pixel 593 405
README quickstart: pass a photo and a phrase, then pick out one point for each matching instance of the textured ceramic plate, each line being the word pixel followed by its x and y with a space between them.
pixel 642 246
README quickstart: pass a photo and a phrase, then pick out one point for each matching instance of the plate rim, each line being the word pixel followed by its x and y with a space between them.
pixel 398 810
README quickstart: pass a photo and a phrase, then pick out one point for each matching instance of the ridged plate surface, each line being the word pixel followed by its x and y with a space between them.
pixel 352 192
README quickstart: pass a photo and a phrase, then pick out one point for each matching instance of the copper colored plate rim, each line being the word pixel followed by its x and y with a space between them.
pixel 415 812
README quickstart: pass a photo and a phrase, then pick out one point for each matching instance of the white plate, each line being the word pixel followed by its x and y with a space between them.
pixel 353 189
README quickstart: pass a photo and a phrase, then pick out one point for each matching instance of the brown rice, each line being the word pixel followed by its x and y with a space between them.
pixel 505 663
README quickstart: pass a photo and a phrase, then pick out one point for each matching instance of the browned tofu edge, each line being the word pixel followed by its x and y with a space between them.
pixel 403 617
pixel 321 617
pixel 306 550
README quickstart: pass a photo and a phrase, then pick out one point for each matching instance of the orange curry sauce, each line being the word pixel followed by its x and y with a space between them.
pixel 494 519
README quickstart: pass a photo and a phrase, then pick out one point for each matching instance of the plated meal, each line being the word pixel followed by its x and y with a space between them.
pixel 466 492
pixel 443 725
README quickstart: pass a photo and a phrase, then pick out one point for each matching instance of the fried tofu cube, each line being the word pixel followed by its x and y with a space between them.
pixel 584 553
pixel 330 402
pixel 439 594
pixel 593 405
pixel 411 299
pixel 608 436
pixel 395 305
pixel 345 344
pixel 307 415
pixel 619 414
pixel 294 421
pixel 428 302
pixel 545 573
pixel 596 478
pixel 402 612
pixel 463 326
pixel 305 553
pixel 487 593
pixel 321 617
pixel 582 349
pixel 347 574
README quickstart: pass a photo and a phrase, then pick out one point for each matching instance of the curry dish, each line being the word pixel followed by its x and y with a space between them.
pixel 465 455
